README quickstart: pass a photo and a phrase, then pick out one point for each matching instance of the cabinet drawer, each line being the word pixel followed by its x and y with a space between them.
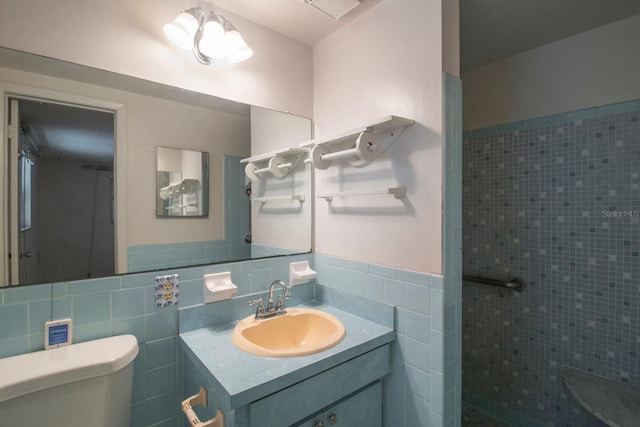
pixel 297 402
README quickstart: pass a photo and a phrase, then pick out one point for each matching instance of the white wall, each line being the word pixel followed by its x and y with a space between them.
pixel 451 37
pixel 152 122
pixel 127 37
pixel 387 61
pixel 273 130
pixel 281 224
pixel 594 68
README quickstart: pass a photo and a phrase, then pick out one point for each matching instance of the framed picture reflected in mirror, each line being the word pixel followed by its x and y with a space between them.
pixel 182 183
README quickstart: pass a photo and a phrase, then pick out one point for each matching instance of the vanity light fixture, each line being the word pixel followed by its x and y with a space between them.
pixel 208 35
pixel 334 8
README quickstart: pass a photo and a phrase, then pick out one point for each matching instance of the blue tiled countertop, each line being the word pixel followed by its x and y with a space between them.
pixel 246 377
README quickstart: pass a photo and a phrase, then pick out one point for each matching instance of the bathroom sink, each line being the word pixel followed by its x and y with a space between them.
pixel 299 332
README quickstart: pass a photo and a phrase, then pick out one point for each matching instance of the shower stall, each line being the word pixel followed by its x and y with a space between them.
pixel 556 202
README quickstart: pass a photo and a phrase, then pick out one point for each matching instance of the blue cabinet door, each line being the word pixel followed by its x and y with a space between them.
pixel 363 409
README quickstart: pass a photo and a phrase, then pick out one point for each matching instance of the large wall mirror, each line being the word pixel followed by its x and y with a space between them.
pixel 110 189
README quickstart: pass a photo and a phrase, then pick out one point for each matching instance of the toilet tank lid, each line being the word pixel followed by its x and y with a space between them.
pixel 31 372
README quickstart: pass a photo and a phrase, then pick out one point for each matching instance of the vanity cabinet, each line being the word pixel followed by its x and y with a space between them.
pixel 339 385
pixel 363 408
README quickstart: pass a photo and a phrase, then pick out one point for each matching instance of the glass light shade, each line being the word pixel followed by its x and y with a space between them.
pixel 182 30
pixel 212 43
pixel 241 55
pixel 238 49
pixel 234 40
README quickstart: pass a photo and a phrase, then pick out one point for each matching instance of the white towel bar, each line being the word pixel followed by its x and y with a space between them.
pixel 396 192
pixel 298 197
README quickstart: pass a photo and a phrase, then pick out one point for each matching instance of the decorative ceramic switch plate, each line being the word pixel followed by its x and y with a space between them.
pixel 167 292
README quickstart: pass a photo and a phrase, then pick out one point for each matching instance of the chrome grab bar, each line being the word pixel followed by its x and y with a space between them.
pixel 517 284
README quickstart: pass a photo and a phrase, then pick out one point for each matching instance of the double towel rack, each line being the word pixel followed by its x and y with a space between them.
pixel 517 284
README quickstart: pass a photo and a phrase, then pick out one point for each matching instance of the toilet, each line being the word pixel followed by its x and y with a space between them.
pixel 81 385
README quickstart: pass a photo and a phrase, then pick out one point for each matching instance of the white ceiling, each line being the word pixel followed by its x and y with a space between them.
pixel 489 29
pixel 293 18
pixel 70 133
pixel 496 29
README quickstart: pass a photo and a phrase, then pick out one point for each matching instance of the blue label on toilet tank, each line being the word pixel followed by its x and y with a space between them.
pixel 58 334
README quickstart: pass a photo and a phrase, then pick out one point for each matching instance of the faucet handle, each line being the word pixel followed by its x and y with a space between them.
pixel 258 301
pixel 260 310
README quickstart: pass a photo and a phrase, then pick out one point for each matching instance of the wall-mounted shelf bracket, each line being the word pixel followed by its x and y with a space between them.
pixel 396 192
pixel 277 163
pixel 381 125
pixel 365 142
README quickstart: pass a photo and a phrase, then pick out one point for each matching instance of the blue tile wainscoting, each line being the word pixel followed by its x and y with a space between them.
pixel 260 251
pixel 237 213
pixel 452 240
pixel 418 391
pixel 127 305
pixel 555 201
pixel 171 255
pixel 421 387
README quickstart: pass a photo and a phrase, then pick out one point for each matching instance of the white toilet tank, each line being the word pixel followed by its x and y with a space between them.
pixel 81 385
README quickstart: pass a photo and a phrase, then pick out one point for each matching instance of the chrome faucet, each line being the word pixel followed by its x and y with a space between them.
pixel 272 308
pixel 287 294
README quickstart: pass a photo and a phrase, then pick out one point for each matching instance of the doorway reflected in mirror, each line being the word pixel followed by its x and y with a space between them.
pixel 61 183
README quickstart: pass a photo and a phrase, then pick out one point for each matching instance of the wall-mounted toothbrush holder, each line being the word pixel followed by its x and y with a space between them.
pixel 300 272
pixel 277 163
pixel 218 287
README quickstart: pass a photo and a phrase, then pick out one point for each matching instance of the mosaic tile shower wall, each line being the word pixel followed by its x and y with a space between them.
pixel 555 201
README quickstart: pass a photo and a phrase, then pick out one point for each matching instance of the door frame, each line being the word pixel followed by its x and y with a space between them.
pixel 12 90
